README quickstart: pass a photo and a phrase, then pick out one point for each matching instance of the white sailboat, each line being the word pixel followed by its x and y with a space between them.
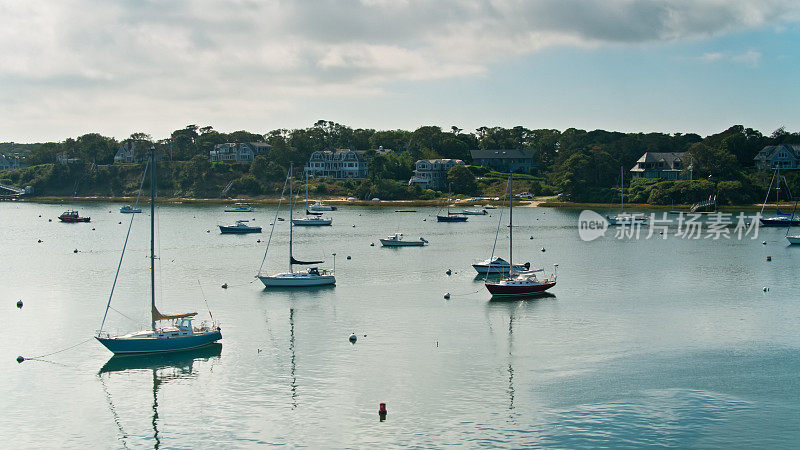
pixel 313 276
pixel 624 218
pixel 168 332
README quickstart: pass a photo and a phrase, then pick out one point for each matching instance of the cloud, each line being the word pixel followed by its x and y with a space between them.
pixel 180 52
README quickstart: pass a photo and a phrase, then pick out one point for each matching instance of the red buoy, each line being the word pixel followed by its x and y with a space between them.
pixel 382 409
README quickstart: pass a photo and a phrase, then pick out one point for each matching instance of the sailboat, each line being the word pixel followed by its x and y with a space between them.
pixel 451 217
pixel 168 332
pixel 522 283
pixel 312 218
pixel 624 218
pixel 781 219
pixel 313 276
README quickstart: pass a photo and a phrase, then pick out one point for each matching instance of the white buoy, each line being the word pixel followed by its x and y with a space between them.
pixel 763 242
pixel 543 249
pixel 447 295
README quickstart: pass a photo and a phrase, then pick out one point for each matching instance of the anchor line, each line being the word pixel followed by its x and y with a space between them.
pixel 62 350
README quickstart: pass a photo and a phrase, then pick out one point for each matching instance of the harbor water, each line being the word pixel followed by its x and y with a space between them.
pixel 672 342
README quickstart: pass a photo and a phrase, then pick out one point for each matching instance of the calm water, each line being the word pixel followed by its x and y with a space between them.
pixel 643 343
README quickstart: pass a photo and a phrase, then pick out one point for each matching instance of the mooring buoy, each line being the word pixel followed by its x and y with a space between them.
pixel 19 304
pixel 446 295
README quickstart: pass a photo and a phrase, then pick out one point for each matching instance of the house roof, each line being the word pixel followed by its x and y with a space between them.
pixel 653 157
pixel 770 150
pixel 501 154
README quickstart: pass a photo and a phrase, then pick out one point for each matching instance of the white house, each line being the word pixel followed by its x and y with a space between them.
pixel 238 152
pixel 774 156
pixel 340 164
pixel 432 173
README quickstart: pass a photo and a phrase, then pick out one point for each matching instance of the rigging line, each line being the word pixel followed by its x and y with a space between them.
pixel 123 315
pixel 499 222
pixel 63 350
pixel 121 256
pixel 274 222
pixel 204 298
pixel 768 189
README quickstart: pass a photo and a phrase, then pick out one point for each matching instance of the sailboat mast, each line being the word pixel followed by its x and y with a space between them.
pixel 510 222
pixel 291 212
pixel 621 190
pixel 152 233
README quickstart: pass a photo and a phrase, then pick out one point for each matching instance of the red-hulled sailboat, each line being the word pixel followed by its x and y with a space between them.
pixel 521 283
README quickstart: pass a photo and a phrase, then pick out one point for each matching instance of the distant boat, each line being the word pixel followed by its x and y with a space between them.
pixel 498 265
pixel 128 209
pixel 472 212
pixel 179 334
pixel 318 206
pixel 489 207
pixel 313 276
pixel 623 218
pixel 312 219
pixel 524 283
pixel 781 219
pixel 240 207
pixel 451 218
pixel 239 228
pixel 71 216
pixel 397 241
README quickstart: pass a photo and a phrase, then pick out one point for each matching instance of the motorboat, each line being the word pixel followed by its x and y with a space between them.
pixel 71 216
pixel 312 221
pixel 499 266
pixel 240 207
pixel 489 207
pixel 239 227
pixel 473 212
pixel 168 332
pixel 313 276
pixel 128 209
pixel 398 241
pixel 319 206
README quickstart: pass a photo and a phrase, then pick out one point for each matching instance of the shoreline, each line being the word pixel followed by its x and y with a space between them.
pixel 534 203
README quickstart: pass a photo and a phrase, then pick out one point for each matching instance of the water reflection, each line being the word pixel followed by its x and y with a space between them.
pixel 293 365
pixel 164 367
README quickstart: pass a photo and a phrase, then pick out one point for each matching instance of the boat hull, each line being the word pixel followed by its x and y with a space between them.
pixel 517 290
pixel 776 222
pixel 298 279
pixel 136 345
pixel 451 218
pixel 794 240
pixel 238 230
pixel 393 243
pixel 74 220
pixel 311 223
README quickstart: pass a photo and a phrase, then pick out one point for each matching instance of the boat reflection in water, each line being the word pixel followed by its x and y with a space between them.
pixel 164 366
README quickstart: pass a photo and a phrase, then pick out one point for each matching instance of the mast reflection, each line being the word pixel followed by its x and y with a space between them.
pixel 164 367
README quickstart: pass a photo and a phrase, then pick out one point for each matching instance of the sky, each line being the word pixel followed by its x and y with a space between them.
pixel 117 67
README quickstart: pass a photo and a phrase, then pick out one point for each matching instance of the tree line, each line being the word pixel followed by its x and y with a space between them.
pixel 580 165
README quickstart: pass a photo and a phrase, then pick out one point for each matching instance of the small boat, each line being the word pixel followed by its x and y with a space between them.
pixel 312 221
pixel 240 227
pixel 623 218
pixel 472 212
pixel 523 283
pixel 489 207
pixel 240 207
pixel 128 209
pixel 794 240
pixel 397 241
pixel 498 265
pixel 313 276
pixel 71 216
pixel 318 206
pixel 451 218
pixel 179 333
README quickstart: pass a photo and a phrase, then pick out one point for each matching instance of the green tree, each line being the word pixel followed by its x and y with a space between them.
pixel 462 180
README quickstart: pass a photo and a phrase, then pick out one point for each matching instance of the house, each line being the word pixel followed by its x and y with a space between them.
pixel 243 152
pixel 127 153
pixel 341 163
pixel 432 173
pixel 505 160
pixel 778 156
pixel 11 161
pixel 664 166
